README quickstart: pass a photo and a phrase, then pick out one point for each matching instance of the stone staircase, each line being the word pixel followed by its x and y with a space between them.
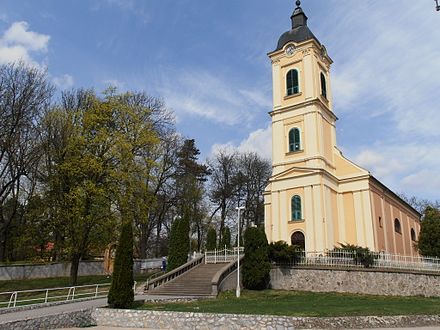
pixel 195 282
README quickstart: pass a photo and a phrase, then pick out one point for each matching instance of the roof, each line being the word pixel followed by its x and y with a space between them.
pixel 300 31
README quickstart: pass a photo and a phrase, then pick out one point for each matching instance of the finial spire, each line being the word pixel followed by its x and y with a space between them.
pixel 298 17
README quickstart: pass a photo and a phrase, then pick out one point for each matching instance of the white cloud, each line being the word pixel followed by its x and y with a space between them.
pixel 64 82
pixel 217 99
pixel 18 34
pixel 405 167
pixel 18 43
pixel 386 65
pixel 259 141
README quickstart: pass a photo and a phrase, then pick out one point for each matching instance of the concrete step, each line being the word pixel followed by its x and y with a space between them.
pixel 195 282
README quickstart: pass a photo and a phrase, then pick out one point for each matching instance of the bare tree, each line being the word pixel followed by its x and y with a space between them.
pixel 24 94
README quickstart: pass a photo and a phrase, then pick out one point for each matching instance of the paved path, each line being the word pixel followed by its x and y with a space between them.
pixel 71 307
pixel 110 328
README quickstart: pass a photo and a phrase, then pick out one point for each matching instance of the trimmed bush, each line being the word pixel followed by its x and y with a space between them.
pixel 256 265
pixel 121 293
pixel 211 239
pixel 179 243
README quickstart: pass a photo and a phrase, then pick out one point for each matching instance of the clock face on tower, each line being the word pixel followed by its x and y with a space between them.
pixel 290 50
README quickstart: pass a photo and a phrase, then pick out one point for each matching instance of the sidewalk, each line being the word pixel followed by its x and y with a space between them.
pixel 71 307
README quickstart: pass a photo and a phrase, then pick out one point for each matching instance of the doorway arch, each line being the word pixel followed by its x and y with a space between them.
pixel 298 239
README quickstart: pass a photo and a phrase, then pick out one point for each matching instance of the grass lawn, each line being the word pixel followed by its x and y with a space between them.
pixel 289 303
pixel 57 282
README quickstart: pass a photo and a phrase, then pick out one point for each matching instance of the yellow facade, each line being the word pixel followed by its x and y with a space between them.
pixel 314 190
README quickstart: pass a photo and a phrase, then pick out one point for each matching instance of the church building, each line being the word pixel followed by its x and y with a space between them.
pixel 317 198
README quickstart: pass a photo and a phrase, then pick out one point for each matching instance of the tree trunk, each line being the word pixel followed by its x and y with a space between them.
pixel 74 268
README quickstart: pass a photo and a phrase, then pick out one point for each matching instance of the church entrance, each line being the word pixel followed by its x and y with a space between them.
pixel 299 240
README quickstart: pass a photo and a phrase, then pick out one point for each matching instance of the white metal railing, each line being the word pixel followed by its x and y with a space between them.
pixel 44 296
pixel 341 258
pixel 222 256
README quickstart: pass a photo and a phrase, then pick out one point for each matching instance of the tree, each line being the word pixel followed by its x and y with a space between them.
pixel 121 294
pixel 211 240
pixel 252 178
pixel 223 168
pixel 179 243
pixel 189 179
pixel 24 94
pixel 225 238
pixel 256 264
pixel 429 238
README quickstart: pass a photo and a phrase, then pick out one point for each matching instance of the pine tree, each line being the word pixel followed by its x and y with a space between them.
pixel 226 238
pixel 121 294
pixel 211 239
pixel 179 243
pixel 256 265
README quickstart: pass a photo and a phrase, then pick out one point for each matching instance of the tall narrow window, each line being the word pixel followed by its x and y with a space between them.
pixel 294 140
pixel 292 83
pixel 397 227
pixel 323 86
pixel 296 208
pixel 413 235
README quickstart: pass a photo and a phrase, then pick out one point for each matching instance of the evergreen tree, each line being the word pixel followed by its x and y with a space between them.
pixel 211 240
pixel 226 238
pixel 256 265
pixel 121 293
pixel 429 239
pixel 179 243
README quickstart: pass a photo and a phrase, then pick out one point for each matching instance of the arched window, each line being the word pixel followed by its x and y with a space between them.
pixel 380 222
pixel 397 227
pixel 296 208
pixel 413 235
pixel 294 140
pixel 292 82
pixel 323 86
pixel 298 239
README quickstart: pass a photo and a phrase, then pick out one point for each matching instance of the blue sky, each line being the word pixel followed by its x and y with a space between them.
pixel 208 60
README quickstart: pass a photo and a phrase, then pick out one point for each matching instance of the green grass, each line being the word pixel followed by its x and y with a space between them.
pixel 58 282
pixel 288 303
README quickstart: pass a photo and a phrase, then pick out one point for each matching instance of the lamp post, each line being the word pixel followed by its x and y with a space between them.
pixel 437 6
pixel 237 292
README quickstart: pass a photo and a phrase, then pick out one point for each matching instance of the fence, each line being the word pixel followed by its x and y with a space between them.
pixel 352 259
pixel 222 256
pixel 44 296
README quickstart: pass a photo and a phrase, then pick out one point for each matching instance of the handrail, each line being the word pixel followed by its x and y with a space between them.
pixel 174 273
pixel 44 296
pixel 221 275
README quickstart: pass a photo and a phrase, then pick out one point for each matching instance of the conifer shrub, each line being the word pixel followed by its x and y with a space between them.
pixel 226 238
pixel 211 239
pixel 256 264
pixel 361 256
pixel 282 253
pixel 121 294
pixel 179 243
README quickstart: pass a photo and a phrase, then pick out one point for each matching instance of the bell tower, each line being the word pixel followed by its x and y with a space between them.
pixel 303 123
pixel 316 198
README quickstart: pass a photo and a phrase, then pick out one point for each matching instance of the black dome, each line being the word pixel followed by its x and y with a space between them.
pixel 300 31
pixel 298 34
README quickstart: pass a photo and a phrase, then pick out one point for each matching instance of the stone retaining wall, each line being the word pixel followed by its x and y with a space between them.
pixel 65 320
pixel 62 269
pixel 356 281
pixel 181 320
